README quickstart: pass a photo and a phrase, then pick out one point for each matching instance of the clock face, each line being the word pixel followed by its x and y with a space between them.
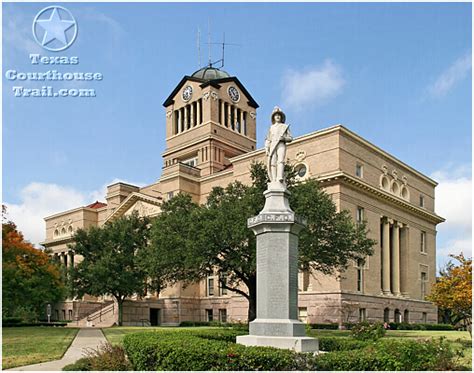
pixel 187 93
pixel 233 93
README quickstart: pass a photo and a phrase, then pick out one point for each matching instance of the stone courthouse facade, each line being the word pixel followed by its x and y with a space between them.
pixel 211 141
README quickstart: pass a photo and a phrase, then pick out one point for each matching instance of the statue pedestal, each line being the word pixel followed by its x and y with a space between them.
pixel 277 324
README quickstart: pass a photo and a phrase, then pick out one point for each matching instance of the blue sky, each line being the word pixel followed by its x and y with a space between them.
pixel 397 74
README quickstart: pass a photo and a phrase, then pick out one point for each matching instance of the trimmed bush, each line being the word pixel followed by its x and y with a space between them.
pixel 55 323
pixel 366 331
pixel 392 355
pixel 82 364
pixel 11 320
pixel 407 326
pixel 206 351
pixel 330 326
pixel 215 350
pixel 340 344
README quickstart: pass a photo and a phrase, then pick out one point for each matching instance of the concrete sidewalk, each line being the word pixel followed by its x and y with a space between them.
pixel 85 338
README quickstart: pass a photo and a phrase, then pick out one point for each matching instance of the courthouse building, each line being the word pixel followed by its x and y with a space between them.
pixel 211 124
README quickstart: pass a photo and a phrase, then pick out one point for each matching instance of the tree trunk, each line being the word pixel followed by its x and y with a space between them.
pixel 252 314
pixel 120 311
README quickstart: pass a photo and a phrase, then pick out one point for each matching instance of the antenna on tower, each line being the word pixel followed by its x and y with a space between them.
pixel 223 51
pixel 199 46
pixel 209 39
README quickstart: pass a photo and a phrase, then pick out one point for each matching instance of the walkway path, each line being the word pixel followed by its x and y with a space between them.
pixel 85 338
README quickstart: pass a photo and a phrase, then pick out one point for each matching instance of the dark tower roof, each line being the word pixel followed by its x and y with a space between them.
pixel 210 73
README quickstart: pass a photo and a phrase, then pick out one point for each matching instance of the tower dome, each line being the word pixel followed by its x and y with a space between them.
pixel 210 73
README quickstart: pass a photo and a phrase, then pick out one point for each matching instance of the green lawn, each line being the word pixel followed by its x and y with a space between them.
pixel 34 344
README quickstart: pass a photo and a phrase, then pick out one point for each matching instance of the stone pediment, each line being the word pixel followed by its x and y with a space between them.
pixel 139 202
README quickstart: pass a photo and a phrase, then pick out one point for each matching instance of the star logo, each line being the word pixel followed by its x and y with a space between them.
pixel 54 28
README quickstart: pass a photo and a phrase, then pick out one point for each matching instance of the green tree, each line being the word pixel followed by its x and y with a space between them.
pixel 30 278
pixel 111 262
pixel 189 242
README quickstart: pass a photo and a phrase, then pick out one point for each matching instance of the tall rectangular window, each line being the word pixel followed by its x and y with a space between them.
pixel 424 318
pixel 360 215
pixel 423 242
pixel 422 201
pixel 360 275
pixel 222 282
pixel 362 314
pixel 223 315
pixel 209 315
pixel 244 118
pixel 210 287
pixel 424 279
pixel 359 170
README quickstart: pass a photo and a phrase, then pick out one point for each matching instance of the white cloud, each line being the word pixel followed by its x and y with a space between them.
pixel 458 70
pixel 454 198
pixel 38 200
pixel 454 203
pixel 17 31
pixel 312 86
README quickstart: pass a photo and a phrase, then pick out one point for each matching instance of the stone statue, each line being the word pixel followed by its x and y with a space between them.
pixel 275 146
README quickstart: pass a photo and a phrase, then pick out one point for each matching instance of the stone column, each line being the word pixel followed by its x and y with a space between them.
pixel 191 115
pixel 186 123
pixel 396 259
pixel 222 118
pixel 386 257
pixel 180 121
pixel 229 115
pixel 198 114
pixel 242 129
pixel 404 257
pixel 236 118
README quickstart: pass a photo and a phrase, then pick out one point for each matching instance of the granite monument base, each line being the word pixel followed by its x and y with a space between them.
pixel 298 344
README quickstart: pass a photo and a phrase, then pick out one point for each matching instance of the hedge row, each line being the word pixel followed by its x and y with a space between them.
pixel 42 323
pixel 330 326
pixel 210 350
pixel 407 326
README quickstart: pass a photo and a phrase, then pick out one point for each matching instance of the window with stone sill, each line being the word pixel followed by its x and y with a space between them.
pixel 359 215
pixel 422 201
pixel 210 287
pixel 423 242
pixel 223 315
pixel 424 280
pixel 359 171
pixel 209 315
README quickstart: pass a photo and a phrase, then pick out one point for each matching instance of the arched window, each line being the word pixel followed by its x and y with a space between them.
pixel 406 316
pixel 63 231
pixel 56 233
pixel 386 315
pixel 397 316
pixel 69 229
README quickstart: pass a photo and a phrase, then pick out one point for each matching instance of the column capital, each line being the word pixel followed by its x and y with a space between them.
pixel 390 221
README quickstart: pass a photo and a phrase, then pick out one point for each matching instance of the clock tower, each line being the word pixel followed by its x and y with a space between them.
pixel 210 117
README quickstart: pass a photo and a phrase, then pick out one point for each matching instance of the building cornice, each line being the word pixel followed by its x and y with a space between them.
pixel 349 133
pixel 70 212
pixel 340 176
pixel 130 201
pixel 57 241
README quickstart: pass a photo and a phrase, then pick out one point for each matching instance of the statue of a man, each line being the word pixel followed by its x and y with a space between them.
pixel 275 145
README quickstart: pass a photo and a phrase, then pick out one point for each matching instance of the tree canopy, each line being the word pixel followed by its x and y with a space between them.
pixel 190 242
pixel 453 290
pixel 111 262
pixel 30 278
